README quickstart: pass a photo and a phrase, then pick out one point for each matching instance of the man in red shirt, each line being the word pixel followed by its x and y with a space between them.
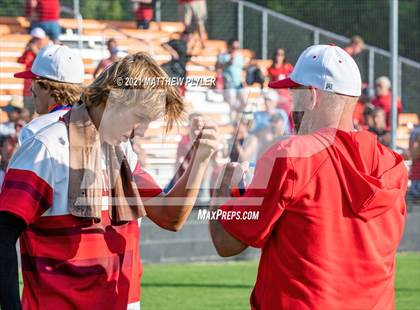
pixel 357 44
pixel 383 97
pixel 281 69
pixel 415 167
pixel 44 14
pixel 143 12
pixel 326 206
pixel 27 58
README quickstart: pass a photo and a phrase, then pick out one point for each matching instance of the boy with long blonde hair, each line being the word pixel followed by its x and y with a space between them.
pixel 76 198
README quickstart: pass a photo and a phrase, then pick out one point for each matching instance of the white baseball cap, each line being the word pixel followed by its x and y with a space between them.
pixel 58 63
pixel 325 67
pixel 38 33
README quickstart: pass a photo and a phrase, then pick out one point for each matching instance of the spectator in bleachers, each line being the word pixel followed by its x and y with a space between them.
pixel 13 109
pixel 27 58
pixel 367 116
pixel 268 121
pixel 415 166
pixel 44 14
pixel 111 45
pixel 357 44
pixel 143 11
pixel 254 73
pixel 9 132
pixel 245 144
pixel 281 69
pixel 2 171
pixel 25 115
pixel 379 126
pixel 383 98
pixel 180 51
pixel 278 128
pixel 193 13
pixel 232 63
pixel 358 114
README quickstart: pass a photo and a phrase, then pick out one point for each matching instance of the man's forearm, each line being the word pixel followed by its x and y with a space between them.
pixel 170 211
pixel 226 245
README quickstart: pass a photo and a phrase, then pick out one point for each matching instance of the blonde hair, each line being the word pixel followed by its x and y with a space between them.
pixel 124 81
pixel 357 40
pixel 62 93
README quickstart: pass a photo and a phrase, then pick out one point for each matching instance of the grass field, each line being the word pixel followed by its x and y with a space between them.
pixel 228 286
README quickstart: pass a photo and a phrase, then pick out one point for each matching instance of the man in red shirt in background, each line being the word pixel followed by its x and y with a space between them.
pixel 281 69
pixel 415 166
pixel 357 44
pixel 383 98
pixel 31 50
pixel 44 14
pixel 143 11
pixel 326 206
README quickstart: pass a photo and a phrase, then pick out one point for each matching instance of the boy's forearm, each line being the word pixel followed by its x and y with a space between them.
pixel 170 211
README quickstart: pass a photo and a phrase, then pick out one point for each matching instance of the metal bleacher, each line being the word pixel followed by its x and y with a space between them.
pixel 13 39
pixel 193 242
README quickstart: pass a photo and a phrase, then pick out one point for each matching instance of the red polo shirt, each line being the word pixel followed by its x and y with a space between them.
pixel 330 221
pixel 281 73
pixel 385 103
pixel 27 59
pixel 47 10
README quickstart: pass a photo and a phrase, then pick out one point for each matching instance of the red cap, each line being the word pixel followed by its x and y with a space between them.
pixel 286 83
pixel 25 75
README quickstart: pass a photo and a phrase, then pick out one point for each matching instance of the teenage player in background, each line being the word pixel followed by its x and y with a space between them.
pixel 57 82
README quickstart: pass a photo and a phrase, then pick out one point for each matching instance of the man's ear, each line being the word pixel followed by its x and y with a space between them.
pixel 314 98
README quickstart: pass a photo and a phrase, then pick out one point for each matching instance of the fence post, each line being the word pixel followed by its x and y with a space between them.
pixel 399 77
pixel 316 37
pixel 241 24
pixel 393 39
pixel 76 10
pixel 264 35
pixel 158 11
pixel 371 68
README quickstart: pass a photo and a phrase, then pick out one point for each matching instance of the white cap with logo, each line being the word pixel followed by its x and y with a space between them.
pixel 38 32
pixel 325 67
pixel 58 63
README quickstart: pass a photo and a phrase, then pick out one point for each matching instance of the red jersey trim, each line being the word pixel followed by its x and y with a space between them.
pixel 25 194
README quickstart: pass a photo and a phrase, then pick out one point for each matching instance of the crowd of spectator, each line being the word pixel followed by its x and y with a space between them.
pixel 256 129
